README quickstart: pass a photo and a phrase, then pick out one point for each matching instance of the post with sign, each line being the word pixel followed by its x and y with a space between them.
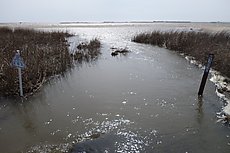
pixel 19 64
pixel 20 81
pixel 205 75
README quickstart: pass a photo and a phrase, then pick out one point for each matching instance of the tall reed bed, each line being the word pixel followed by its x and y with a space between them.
pixel 45 54
pixel 196 44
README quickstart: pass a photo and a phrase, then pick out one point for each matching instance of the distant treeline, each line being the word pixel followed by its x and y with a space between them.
pixel 196 44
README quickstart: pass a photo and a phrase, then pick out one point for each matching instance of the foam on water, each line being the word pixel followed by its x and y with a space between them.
pixel 193 61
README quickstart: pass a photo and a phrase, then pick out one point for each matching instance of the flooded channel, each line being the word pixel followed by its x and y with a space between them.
pixel 145 101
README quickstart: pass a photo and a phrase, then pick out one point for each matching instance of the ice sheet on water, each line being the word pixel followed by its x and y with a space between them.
pixel 219 80
pixel 222 86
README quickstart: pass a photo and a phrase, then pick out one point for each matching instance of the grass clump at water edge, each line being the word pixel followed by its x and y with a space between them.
pixel 87 50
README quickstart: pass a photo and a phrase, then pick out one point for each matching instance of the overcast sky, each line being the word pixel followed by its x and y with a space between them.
pixel 114 10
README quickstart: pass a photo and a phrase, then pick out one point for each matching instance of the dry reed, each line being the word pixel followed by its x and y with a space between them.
pixel 45 54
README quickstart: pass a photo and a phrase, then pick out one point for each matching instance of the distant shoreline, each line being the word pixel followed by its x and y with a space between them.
pixel 169 25
pixel 105 22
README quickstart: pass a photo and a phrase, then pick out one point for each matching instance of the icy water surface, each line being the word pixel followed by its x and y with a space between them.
pixel 145 101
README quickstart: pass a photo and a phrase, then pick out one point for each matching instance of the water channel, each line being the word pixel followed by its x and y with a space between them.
pixel 145 101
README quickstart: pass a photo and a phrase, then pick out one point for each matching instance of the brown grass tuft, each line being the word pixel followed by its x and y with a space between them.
pixel 87 50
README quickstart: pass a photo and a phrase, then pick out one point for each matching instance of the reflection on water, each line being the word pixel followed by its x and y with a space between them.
pixel 200 109
pixel 145 101
pixel 25 114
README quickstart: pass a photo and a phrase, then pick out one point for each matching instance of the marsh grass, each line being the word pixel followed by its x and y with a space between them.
pixel 45 54
pixel 196 44
pixel 87 51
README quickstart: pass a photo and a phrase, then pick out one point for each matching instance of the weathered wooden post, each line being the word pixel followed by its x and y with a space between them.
pixel 18 63
pixel 205 75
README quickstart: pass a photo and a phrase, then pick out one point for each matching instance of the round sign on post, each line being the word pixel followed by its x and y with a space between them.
pixel 18 63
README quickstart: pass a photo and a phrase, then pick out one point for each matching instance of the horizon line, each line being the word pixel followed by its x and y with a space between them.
pixel 93 22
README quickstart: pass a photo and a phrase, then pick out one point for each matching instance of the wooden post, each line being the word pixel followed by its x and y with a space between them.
pixel 205 75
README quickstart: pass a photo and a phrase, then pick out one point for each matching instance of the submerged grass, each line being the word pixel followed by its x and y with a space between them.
pixel 45 54
pixel 196 44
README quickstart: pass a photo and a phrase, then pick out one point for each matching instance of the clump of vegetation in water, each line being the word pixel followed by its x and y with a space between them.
pixel 196 44
pixel 122 51
pixel 45 54
pixel 87 50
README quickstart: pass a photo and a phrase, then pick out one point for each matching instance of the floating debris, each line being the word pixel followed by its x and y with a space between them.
pixel 124 102
pixel 159 142
pixel 48 122
pixel 69 135
pixel 132 93
pixel 53 133
pixel 122 51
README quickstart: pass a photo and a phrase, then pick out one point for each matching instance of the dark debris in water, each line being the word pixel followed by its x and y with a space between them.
pixel 117 51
